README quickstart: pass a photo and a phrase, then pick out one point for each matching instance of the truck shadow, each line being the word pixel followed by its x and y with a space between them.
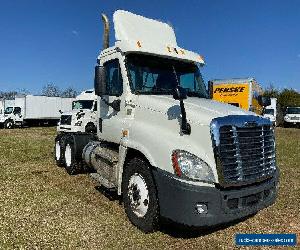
pixel 176 230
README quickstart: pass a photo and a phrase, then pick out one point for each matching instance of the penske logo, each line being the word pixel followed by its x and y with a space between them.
pixel 229 90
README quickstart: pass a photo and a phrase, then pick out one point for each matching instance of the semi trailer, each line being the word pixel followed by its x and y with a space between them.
pixel 162 144
pixel 82 117
pixel 240 92
pixel 34 110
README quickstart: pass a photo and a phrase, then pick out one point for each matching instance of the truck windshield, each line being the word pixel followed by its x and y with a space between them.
pixel 8 110
pixel 295 110
pixel 159 76
pixel 83 104
pixel 269 111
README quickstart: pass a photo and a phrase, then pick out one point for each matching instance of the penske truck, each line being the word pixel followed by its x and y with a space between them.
pixel 240 92
pixel 162 144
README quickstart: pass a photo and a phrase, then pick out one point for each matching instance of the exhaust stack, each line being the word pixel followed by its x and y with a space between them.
pixel 106 31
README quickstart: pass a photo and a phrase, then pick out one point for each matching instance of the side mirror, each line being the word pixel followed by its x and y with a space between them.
pixel 210 89
pixel 116 105
pixel 99 81
pixel 179 93
pixel 264 101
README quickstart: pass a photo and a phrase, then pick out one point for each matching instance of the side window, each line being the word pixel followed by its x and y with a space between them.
pixel 17 110
pixel 114 82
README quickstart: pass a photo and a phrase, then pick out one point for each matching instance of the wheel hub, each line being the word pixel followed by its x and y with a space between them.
pixel 57 151
pixel 138 195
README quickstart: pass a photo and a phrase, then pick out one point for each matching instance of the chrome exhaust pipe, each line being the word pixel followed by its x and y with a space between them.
pixel 106 31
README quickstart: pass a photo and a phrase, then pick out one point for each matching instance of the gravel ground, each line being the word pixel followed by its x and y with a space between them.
pixel 42 207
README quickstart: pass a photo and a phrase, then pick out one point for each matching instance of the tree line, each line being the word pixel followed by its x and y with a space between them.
pixel 49 89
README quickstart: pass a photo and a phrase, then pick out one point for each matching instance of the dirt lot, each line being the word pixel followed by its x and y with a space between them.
pixel 43 207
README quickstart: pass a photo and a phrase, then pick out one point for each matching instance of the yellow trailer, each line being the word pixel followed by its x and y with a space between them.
pixel 240 92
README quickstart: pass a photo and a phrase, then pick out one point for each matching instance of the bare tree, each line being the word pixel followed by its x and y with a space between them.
pixel 69 92
pixel 51 90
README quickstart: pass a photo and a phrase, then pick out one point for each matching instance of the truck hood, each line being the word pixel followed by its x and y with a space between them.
pixel 198 110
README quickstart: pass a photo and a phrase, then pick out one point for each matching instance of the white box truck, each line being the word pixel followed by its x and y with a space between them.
pixel 34 110
pixel 82 117
pixel 162 144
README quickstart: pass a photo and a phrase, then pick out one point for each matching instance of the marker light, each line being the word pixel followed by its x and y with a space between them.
pixel 139 44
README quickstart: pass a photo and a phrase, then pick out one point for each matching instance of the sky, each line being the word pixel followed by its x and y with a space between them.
pixel 58 41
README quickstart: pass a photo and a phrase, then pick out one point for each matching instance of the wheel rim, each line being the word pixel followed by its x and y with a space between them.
pixel 138 195
pixel 68 155
pixel 9 125
pixel 57 151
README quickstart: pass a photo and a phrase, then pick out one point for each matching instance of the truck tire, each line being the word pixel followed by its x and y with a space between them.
pixel 140 195
pixel 9 124
pixel 90 128
pixel 59 150
pixel 72 165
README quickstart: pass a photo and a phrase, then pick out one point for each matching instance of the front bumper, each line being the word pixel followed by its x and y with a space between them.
pixel 69 128
pixel 177 200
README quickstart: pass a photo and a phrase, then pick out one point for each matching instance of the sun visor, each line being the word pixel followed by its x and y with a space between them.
pixel 132 27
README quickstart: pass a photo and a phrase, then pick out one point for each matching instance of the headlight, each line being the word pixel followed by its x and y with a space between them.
pixel 189 166
pixel 78 123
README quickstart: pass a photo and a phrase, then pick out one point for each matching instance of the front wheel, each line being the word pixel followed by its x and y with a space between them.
pixel 72 164
pixel 8 124
pixel 140 196
pixel 59 150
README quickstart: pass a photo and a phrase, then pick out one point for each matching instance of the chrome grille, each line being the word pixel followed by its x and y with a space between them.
pixel 245 154
pixel 65 120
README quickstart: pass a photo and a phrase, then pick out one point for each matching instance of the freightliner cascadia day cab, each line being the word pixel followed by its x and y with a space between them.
pixel 82 117
pixel 240 92
pixel 34 110
pixel 162 144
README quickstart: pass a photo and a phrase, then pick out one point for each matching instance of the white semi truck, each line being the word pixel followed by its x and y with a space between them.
pixel 34 110
pixel 270 112
pixel 164 146
pixel 82 117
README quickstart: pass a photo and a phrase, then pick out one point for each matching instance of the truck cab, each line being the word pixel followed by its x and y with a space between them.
pixel 82 117
pixel 164 146
pixel 270 112
pixel 292 116
pixel 12 116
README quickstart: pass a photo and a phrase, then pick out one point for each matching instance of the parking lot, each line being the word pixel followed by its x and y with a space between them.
pixel 42 206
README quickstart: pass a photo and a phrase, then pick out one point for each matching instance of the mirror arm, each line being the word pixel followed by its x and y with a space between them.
pixel 185 126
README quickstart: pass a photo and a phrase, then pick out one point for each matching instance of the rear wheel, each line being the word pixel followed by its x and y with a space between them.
pixel 9 124
pixel 72 165
pixel 59 150
pixel 140 196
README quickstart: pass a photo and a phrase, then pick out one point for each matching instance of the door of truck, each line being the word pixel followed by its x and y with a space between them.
pixel 110 119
